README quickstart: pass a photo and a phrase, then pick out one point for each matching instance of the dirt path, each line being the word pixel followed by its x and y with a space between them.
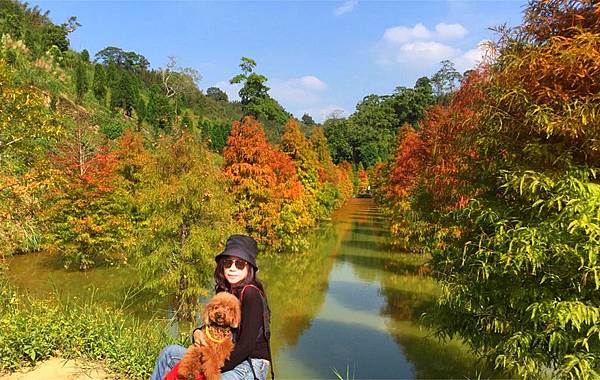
pixel 61 369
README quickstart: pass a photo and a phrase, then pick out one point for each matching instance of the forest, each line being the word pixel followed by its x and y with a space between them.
pixel 492 174
pixel 500 187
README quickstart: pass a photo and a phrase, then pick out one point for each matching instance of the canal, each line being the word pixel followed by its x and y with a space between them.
pixel 348 303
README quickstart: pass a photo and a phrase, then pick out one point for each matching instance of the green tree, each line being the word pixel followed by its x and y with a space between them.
pixel 159 112
pixel 376 112
pixel 99 83
pixel 186 121
pixel 338 133
pixel 411 104
pixel 445 81
pixel 253 84
pixel 308 120
pixel 127 60
pixel 217 94
pixel 179 83
pixel 373 129
pixel 215 133
pixel 141 110
pixel 255 97
pixel 124 93
pixel 187 219
pixel 81 80
pixel 85 56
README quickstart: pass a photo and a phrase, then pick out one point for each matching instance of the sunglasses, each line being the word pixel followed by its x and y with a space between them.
pixel 239 264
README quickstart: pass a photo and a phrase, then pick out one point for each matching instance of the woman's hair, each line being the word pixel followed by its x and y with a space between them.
pixel 222 285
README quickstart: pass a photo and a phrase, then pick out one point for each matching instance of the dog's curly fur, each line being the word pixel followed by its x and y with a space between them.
pixel 221 314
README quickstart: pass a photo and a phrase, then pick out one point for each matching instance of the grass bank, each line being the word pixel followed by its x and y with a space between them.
pixel 33 330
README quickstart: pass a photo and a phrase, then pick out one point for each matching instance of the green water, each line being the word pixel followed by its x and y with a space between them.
pixel 347 303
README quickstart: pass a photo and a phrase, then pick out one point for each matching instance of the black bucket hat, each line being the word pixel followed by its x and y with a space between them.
pixel 241 246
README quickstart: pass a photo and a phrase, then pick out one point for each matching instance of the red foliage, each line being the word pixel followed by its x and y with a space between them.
pixel 261 178
pixel 86 167
pixel 410 158
pixel 435 156
pixel 286 177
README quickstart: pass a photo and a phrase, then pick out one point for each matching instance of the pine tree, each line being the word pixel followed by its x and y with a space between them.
pixel 124 93
pixel 81 80
pixel 159 111
pixel 99 84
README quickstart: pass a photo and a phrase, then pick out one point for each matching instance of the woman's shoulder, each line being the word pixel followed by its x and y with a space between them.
pixel 250 290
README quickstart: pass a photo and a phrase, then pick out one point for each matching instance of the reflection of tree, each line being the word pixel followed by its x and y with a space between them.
pixel 296 284
pixel 407 297
pixel 408 293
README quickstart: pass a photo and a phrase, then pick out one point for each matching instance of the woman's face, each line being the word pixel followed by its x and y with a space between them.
pixel 233 274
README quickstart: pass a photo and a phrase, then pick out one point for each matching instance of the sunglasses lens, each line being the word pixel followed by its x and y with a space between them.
pixel 238 263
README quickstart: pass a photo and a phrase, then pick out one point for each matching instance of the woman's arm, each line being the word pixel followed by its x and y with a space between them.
pixel 252 320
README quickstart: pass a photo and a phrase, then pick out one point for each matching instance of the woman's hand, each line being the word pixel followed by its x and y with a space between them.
pixel 199 338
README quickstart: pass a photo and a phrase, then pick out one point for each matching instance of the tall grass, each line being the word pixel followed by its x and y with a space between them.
pixel 33 330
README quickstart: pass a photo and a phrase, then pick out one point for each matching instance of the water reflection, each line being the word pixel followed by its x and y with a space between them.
pixel 296 284
pixel 361 309
pixel 347 302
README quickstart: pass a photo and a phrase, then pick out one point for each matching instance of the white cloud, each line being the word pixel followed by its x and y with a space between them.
pixel 347 7
pixel 449 31
pixel 298 91
pixel 402 34
pixel 230 89
pixel 471 58
pixel 312 82
pixel 418 47
pixel 419 32
pixel 424 53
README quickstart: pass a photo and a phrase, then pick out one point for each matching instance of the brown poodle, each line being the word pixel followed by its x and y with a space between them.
pixel 221 314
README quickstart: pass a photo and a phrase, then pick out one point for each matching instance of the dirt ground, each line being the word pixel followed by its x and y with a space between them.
pixel 61 369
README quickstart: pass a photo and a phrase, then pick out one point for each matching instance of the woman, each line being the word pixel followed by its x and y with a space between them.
pixel 236 274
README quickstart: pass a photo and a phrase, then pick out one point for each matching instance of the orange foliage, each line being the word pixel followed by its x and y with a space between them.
pixel 548 18
pixel 435 156
pixel 344 180
pixel 89 168
pixel 408 163
pixel 297 147
pixel 363 181
pixel 286 177
pixel 132 155
pixel 261 179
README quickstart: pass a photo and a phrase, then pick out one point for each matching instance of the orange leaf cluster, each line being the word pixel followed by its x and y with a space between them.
pixel 261 178
pixel 434 156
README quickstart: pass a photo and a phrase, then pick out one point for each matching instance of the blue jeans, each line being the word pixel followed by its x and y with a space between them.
pixel 172 354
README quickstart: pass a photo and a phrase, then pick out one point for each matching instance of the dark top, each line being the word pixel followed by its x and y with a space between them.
pixel 249 343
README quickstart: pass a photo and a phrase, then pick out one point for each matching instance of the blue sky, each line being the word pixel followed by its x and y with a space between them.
pixel 319 56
